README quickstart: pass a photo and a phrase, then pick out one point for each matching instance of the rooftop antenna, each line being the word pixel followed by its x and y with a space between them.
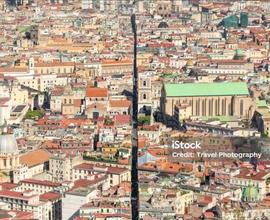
pixel 134 136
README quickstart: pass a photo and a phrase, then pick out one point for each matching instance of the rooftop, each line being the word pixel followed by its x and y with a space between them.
pixel 35 157
pixel 96 92
pixel 206 89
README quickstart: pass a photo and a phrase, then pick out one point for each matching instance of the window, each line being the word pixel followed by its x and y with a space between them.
pixel 223 107
pixel 198 104
pixel 144 83
pixel 204 107
pixel 210 107
pixel 144 96
pixel 241 107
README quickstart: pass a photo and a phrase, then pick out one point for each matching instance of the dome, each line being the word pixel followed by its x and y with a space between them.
pixel 189 63
pixel 163 24
pixel 8 144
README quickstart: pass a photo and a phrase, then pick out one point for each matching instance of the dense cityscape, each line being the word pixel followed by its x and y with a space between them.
pixel 67 107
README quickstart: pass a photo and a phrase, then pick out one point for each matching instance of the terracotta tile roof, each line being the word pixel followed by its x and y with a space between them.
pixel 7 186
pixel 141 142
pixel 41 182
pixel 148 127
pixel 205 199
pixel 63 122
pixel 77 103
pixel 158 151
pixel 4 100
pixel 54 63
pixel 49 196
pixel 50 144
pixel 10 70
pixel 120 103
pixel 18 215
pixel 101 107
pixel 165 166
pixel 35 157
pixel 85 182
pixel 100 168
pixel 124 161
pixel 250 174
pixel 126 186
pixel 96 92
pixel 13 194
pixel 122 119
pixel 116 62
pixel 107 216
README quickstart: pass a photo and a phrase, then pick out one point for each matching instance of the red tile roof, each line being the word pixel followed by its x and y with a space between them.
pixel 13 70
pixel 120 103
pixel 21 215
pixel 35 157
pixel 77 103
pixel 253 175
pixel 107 216
pixel 49 196
pixel 41 182
pixel 122 119
pixel 54 63
pixel 117 62
pixel 85 182
pixel 13 194
pixel 7 186
pixel 96 92
pixel 100 168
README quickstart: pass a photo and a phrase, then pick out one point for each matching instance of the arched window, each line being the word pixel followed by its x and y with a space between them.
pixel 144 83
pixel 144 96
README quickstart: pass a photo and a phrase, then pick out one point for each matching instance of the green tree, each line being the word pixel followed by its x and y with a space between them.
pixel 34 114
pixel 144 120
